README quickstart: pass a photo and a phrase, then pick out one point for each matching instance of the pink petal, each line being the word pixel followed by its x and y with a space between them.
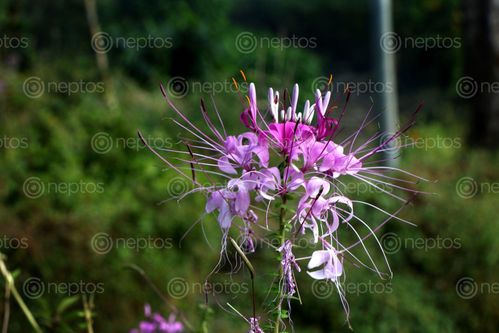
pixel 226 166
pixel 214 202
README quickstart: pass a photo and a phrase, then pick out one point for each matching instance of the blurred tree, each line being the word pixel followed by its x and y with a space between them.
pixel 481 26
pixel 101 57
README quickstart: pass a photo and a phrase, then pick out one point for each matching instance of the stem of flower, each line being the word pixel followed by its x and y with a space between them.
pixel 282 239
pixel 160 294
pixel 252 272
pixel 88 304
pixel 9 281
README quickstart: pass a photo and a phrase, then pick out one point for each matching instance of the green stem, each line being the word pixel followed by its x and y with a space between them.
pixel 88 305
pixel 10 282
pixel 282 239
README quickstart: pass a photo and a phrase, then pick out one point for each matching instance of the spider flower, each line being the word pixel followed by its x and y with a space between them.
pixel 285 154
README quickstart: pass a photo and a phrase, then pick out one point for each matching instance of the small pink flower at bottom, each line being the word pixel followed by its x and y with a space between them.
pixel 255 326
pixel 156 323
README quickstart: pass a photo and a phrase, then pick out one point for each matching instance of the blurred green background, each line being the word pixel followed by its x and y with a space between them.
pixel 72 168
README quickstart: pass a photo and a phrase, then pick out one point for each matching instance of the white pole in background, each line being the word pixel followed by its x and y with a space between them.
pixel 386 44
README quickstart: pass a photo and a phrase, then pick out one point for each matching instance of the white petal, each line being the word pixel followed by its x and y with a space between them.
pixel 318 258
pixel 274 104
pixel 289 114
pixel 318 275
pixel 271 97
pixel 325 101
pixel 252 93
pixel 306 112
pixel 294 100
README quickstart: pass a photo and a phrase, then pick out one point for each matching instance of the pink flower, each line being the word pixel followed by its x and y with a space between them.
pixel 155 323
pixel 288 136
pixel 296 157
pixel 255 326
pixel 230 202
pixel 271 180
pixel 240 151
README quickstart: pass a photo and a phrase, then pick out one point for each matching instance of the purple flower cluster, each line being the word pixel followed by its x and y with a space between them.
pixel 288 263
pixel 309 163
pixel 291 155
pixel 255 326
pixel 155 323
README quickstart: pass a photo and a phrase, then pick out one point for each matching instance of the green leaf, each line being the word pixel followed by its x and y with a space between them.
pixel 66 303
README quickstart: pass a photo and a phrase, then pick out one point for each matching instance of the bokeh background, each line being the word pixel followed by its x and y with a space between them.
pixel 84 207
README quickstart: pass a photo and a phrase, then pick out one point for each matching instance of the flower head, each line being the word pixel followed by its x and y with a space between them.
pixel 296 157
